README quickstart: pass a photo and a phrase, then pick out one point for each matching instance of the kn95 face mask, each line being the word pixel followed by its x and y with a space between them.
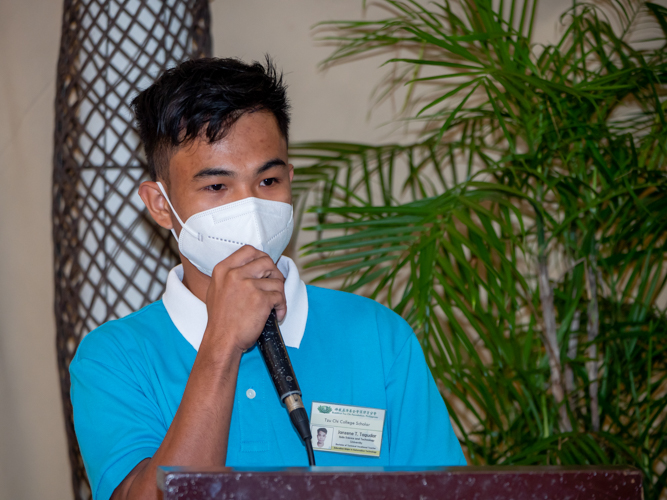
pixel 211 236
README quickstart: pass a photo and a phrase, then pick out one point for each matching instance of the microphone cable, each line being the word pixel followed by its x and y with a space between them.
pixel 311 454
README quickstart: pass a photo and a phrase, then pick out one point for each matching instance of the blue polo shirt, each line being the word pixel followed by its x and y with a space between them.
pixel 128 378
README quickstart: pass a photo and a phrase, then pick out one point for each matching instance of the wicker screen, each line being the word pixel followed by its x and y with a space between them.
pixel 110 257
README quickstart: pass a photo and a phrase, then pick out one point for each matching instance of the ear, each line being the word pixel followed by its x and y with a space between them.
pixel 156 203
pixel 291 172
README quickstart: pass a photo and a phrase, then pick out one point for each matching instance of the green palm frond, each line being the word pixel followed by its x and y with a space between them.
pixel 523 231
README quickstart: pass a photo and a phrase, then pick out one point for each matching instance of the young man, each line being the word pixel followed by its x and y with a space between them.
pixel 321 436
pixel 180 382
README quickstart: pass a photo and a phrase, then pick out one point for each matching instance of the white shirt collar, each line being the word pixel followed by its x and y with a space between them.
pixel 190 316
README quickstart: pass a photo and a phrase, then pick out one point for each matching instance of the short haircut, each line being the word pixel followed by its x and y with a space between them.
pixel 203 98
pixel 321 429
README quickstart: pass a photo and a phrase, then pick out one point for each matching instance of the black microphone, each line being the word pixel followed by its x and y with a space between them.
pixel 273 350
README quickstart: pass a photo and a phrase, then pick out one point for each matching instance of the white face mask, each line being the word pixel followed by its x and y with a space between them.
pixel 211 236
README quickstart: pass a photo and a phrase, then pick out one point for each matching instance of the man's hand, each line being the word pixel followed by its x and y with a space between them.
pixel 244 288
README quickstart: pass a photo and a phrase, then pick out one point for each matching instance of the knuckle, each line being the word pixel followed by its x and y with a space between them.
pixel 220 267
pixel 230 275
pixel 277 285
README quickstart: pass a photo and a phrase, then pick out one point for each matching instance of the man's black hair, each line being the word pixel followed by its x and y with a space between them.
pixel 321 429
pixel 203 98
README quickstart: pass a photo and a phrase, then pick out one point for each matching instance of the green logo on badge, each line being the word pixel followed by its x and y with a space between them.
pixel 324 409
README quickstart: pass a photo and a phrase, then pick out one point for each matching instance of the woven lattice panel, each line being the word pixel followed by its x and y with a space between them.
pixel 110 257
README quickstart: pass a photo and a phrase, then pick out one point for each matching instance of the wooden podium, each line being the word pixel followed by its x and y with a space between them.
pixel 378 483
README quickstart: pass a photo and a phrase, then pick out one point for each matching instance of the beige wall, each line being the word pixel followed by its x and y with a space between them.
pixel 327 105
pixel 33 457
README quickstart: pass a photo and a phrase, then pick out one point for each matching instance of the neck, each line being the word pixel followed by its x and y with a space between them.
pixel 194 280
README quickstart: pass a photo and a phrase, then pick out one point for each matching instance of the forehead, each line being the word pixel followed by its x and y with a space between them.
pixel 253 140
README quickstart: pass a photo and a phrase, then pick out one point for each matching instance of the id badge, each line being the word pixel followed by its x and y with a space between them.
pixel 353 430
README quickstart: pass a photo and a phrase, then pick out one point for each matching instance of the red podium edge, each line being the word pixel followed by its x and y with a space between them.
pixel 386 483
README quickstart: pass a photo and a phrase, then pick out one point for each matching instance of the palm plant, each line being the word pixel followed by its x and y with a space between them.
pixel 523 232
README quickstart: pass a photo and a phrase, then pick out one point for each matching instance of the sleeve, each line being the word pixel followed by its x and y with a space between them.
pixel 116 424
pixel 420 431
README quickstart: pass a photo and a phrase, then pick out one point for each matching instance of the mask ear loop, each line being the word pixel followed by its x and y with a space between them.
pixel 183 226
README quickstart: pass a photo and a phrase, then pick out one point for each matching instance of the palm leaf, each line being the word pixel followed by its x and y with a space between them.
pixel 530 162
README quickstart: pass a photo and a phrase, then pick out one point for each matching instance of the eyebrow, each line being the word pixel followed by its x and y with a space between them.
pixel 276 162
pixel 222 172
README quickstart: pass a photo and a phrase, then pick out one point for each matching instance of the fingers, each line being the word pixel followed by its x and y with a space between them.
pixel 274 293
pixel 261 268
pixel 270 285
pixel 243 256
pixel 281 310
pixel 250 263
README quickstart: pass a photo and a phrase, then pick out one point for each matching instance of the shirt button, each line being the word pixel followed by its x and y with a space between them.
pixel 251 393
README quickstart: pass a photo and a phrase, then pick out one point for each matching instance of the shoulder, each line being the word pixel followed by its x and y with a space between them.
pixel 123 334
pixel 360 321
pixel 353 307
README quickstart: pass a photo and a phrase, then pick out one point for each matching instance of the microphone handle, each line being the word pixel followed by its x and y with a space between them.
pixel 273 350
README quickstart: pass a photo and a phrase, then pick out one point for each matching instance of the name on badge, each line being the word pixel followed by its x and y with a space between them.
pixel 354 430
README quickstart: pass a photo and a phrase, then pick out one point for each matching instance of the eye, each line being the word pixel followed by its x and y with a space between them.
pixel 268 182
pixel 215 187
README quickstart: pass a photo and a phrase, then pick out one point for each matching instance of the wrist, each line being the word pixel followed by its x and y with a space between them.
pixel 220 355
